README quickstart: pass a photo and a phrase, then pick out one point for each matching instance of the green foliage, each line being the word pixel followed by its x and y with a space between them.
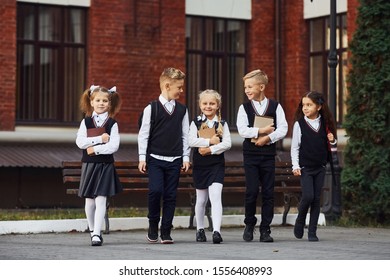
pixel 365 178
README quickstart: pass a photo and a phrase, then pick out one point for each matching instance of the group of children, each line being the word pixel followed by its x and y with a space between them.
pixel 166 138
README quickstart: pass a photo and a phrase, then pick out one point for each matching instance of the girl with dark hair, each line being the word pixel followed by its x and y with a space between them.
pixel 313 133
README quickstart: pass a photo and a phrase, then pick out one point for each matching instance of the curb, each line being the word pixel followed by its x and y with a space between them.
pixel 119 224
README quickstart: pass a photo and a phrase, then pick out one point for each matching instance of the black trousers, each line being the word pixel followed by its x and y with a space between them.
pixel 259 170
pixel 163 183
pixel 312 181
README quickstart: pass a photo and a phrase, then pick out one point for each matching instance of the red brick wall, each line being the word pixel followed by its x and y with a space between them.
pixel 131 45
pixel 261 42
pixel 295 58
pixel 294 51
pixel 7 64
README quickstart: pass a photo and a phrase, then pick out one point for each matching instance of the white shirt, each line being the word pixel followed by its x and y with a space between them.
pixel 195 141
pixel 296 139
pixel 83 142
pixel 143 135
pixel 252 132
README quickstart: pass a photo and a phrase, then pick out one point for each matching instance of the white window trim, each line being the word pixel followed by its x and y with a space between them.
pixel 234 9
pixel 80 3
pixel 320 8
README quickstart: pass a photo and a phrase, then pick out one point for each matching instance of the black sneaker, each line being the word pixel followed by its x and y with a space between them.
pixel 312 236
pixel 217 238
pixel 201 235
pixel 166 237
pixel 298 229
pixel 152 236
pixel 266 237
pixel 248 232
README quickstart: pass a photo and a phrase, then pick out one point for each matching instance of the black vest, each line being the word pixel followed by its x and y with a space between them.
pixel 98 158
pixel 313 150
pixel 200 160
pixel 248 146
pixel 166 138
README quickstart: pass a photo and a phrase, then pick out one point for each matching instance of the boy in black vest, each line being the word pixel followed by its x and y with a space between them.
pixel 259 154
pixel 163 152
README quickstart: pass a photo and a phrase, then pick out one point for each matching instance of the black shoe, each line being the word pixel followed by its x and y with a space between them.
pixel 217 238
pixel 248 232
pixel 152 232
pixel 97 242
pixel 266 237
pixel 166 236
pixel 201 235
pixel 312 236
pixel 298 229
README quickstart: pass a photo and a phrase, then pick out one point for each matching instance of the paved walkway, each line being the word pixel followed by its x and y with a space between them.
pixel 336 243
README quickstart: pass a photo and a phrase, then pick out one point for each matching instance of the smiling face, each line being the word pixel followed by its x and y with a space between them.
pixel 309 108
pixel 100 102
pixel 172 88
pixel 254 89
pixel 209 105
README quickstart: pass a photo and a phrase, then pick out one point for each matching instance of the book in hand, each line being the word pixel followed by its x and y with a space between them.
pixel 206 133
pixel 261 122
pixel 97 131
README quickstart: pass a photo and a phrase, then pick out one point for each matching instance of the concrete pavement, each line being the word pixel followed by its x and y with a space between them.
pixel 336 243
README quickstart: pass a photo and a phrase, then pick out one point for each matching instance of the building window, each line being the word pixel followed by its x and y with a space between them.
pixel 51 63
pixel 319 50
pixel 215 60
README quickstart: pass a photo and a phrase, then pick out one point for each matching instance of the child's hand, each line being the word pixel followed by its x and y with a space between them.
pixel 142 166
pixel 90 151
pixel 297 172
pixel 214 140
pixel 267 129
pixel 330 137
pixel 262 140
pixel 105 137
pixel 186 165
pixel 204 151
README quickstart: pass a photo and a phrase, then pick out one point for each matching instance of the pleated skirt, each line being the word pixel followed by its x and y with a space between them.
pixel 98 179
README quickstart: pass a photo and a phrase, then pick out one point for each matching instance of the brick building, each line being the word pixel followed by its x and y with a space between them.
pixel 51 50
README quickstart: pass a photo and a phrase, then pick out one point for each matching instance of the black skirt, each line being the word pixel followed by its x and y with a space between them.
pixel 204 176
pixel 98 179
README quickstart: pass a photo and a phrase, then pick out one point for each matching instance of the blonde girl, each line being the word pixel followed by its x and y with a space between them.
pixel 209 162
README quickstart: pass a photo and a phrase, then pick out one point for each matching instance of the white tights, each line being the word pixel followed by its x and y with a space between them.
pixel 95 210
pixel 215 193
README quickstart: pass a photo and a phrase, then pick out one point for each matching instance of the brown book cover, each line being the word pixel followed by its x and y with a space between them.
pixel 206 133
pixel 260 122
pixel 97 131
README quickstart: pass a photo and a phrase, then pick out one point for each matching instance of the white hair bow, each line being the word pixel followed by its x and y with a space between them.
pixel 112 90
pixel 93 87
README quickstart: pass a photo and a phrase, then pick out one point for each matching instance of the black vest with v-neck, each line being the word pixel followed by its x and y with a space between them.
pixel 248 146
pixel 166 137
pixel 98 158
pixel 313 150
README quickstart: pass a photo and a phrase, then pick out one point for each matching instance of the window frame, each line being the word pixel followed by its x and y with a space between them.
pixel 60 115
pixel 229 103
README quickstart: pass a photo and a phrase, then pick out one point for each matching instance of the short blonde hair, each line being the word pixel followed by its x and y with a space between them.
pixel 258 75
pixel 171 74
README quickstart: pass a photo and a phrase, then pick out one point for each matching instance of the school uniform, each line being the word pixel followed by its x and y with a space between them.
pixel 259 162
pixel 98 174
pixel 208 169
pixel 165 149
pixel 310 153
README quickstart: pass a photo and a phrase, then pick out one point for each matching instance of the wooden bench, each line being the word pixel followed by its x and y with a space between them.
pixel 135 182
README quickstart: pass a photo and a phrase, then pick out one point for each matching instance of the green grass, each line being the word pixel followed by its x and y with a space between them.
pixel 78 213
pixel 63 213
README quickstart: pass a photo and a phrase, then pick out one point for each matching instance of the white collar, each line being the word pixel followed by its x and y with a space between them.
pixel 100 116
pixel 163 100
